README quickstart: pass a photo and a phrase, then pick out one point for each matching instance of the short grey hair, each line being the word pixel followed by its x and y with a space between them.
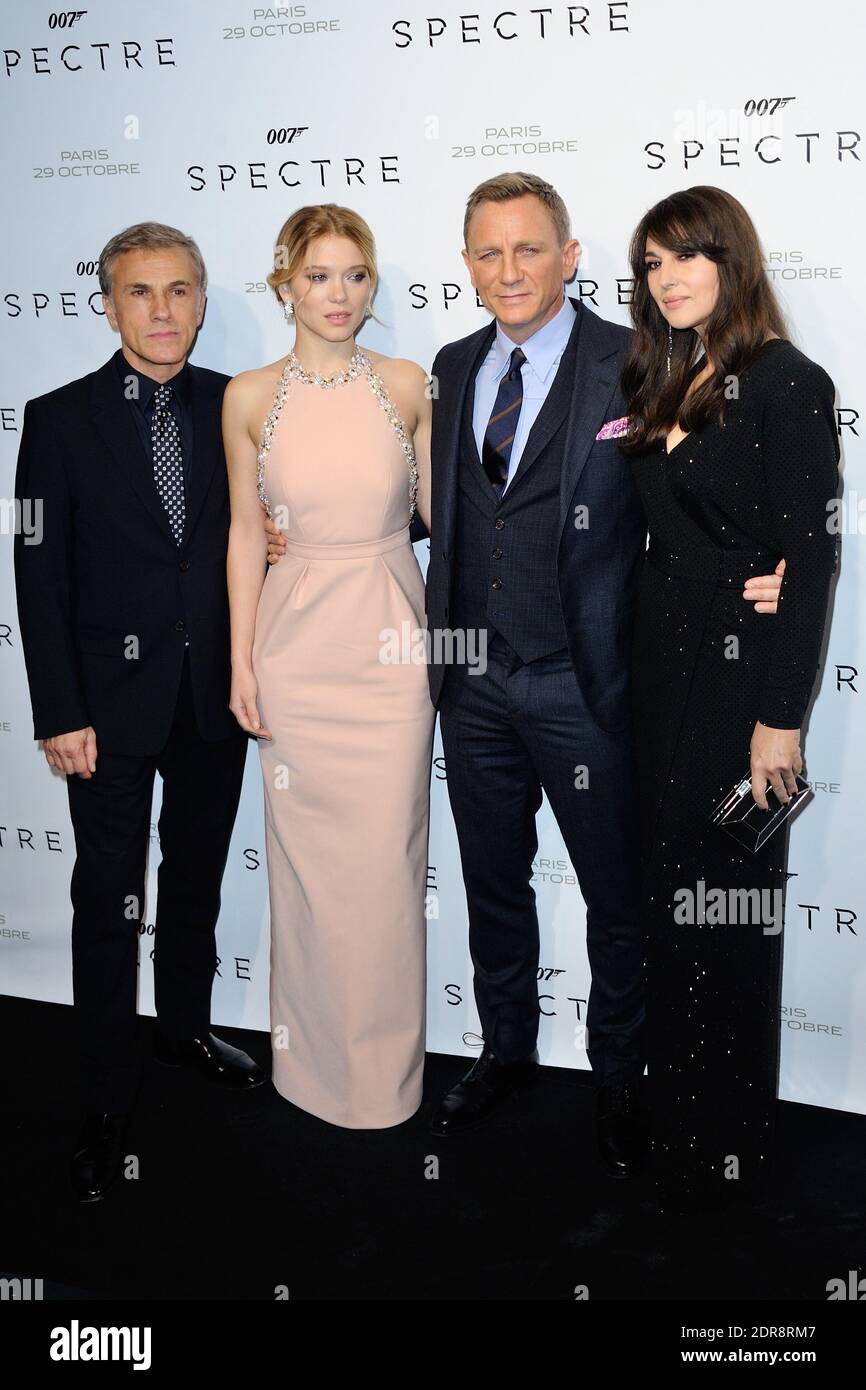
pixel 148 236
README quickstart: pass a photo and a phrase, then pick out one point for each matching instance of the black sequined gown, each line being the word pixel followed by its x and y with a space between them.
pixel 726 503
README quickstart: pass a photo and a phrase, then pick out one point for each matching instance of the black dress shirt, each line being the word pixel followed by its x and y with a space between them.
pixel 141 404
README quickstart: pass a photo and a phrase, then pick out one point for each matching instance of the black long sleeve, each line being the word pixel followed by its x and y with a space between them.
pixel 799 455
pixel 43 574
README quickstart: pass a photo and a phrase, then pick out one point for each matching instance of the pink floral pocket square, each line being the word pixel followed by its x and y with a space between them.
pixel 613 429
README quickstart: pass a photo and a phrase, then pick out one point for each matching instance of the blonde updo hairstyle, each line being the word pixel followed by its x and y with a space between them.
pixel 304 227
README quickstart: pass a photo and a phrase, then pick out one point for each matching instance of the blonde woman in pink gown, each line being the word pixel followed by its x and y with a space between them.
pixel 334 441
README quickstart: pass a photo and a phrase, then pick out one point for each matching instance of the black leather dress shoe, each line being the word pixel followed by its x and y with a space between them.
pixel 217 1060
pixel 481 1092
pixel 620 1128
pixel 99 1153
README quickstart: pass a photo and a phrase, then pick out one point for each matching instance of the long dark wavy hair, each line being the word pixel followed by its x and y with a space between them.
pixel 710 221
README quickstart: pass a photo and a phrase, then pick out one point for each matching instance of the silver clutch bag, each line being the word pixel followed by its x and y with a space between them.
pixel 740 815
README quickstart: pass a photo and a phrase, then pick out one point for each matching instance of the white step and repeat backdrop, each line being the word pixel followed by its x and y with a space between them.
pixel 221 118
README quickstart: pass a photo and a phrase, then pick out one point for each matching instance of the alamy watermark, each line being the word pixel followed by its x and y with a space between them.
pixel 444 646
pixel 22 516
pixel 712 907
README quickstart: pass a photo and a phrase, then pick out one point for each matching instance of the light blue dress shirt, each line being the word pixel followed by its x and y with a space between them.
pixel 543 351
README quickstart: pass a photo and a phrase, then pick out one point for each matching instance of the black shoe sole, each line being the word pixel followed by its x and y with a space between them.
pixel 89 1200
pixel 214 1079
pixel 209 1076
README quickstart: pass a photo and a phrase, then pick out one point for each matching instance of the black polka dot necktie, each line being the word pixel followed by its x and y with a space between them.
pixel 501 427
pixel 168 460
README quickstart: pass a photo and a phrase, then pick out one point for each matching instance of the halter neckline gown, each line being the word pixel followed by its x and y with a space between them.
pixel 347 771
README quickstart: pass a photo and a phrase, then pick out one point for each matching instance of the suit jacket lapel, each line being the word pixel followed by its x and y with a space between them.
pixel 467 434
pixel 546 423
pixel 463 371
pixel 207 448
pixel 113 421
pixel 582 392
pixel 556 406
pixel 594 382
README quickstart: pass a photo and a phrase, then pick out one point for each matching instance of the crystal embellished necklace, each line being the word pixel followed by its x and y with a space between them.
pixel 360 365
pixel 297 372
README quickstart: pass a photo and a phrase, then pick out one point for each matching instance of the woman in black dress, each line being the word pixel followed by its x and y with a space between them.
pixel 733 438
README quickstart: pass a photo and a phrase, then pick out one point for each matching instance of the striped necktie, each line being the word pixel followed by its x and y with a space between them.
pixel 501 427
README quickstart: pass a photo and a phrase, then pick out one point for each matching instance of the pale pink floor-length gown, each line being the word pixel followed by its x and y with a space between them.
pixel 347 773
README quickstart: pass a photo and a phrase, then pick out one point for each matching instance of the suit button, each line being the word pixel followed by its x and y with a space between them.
pixel 180 625
pixel 497 554
pixel 499 523
pixel 184 566
pixel 496 584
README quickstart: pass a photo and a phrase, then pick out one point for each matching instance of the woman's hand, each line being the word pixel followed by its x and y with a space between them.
pixel 243 703
pixel 276 541
pixel 775 758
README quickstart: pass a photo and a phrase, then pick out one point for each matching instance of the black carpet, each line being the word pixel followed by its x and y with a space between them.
pixel 240 1195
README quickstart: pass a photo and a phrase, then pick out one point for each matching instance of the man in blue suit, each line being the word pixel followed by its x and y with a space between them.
pixel 536 540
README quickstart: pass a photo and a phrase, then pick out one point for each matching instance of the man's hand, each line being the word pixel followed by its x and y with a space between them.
pixel 276 541
pixel 75 752
pixel 763 590
pixel 775 758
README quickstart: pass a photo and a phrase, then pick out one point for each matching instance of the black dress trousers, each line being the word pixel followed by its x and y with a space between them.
pixel 111 819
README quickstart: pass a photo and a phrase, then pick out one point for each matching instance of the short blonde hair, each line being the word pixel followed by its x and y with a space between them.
pixel 516 185
pixel 306 226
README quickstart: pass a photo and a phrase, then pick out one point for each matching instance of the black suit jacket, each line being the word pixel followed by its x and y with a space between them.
pixel 597 564
pixel 107 598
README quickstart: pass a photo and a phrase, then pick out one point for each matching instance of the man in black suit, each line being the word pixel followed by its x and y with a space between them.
pixel 124 619
pixel 536 538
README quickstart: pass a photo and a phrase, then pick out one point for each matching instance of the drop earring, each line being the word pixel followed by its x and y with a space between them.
pixel 289 310
pixel 670 347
